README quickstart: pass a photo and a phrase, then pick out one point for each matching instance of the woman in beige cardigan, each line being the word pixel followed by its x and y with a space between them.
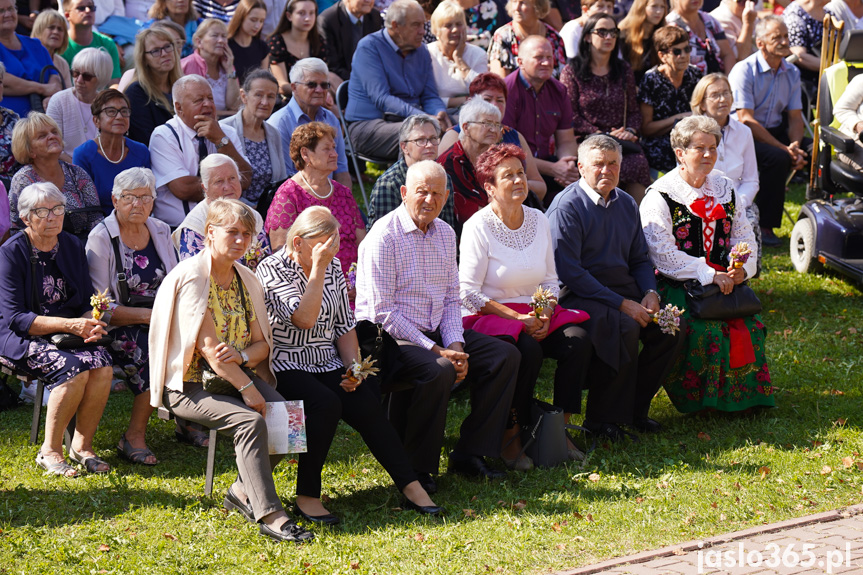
pixel 194 318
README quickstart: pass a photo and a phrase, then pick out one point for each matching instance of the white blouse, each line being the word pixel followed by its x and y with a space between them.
pixel 449 80
pixel 658 228
pixel 504 265
pixel 736 160
pixel 74 118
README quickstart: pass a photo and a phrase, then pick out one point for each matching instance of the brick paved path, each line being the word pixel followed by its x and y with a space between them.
pixel 830 542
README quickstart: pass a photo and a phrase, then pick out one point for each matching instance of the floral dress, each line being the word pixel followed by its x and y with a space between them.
pixel 258 154
pixel 705 51
pixel 233 322
pixel 723 364
pixel 8 165
pixel 43 359
pixel 504 48
pixel 483 19
pixel 279 52
pixel 144 271
pixel 657 91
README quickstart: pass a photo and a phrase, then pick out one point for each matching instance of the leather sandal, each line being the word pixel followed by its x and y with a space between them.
pixel 89 462
pixel 132 454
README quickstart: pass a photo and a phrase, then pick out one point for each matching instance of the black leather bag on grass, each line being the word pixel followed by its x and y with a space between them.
pixel 546 443
pixel 708 302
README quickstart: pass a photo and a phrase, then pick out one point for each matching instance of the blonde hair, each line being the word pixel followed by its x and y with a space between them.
pixel 45 19
pixel 159 11
pixel 446 10
pixel 226 213
pixel 142 71
pixel 313 222
pixel 25 131
pixel 633 32
pixel 542 7
pixel 204 27
pixel 700 91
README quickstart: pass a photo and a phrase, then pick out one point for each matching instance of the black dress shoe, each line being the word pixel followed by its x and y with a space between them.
pixel 328 519
pixel 427 482
pixel 473 466
pixel 290 531
pixel 232 502
pixel 422 509
pixel 647 425
pixel 611 431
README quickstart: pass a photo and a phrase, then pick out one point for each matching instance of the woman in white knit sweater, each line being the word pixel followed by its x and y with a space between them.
pixel 70 108
pixel 506 254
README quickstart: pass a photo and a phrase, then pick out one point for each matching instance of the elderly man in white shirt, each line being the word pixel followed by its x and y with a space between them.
pixel 177 148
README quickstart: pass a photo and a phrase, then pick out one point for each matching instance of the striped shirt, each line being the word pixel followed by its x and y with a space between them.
pixel 213 9
pixel 408 280
pixel 313 350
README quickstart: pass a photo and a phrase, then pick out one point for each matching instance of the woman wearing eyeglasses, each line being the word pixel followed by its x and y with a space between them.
pixel 664 95
pixel 70 108
pixel 601 87
pixel 142 246
pixel 110 152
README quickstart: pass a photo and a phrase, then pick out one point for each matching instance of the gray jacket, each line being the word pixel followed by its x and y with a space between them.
pixel 274 144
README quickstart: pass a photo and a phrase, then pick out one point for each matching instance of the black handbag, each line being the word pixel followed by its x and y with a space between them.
pixel 60 340
pixel 708 302
pixel 126 299
pixel 36 99
pixel 376 342
pixel 545 441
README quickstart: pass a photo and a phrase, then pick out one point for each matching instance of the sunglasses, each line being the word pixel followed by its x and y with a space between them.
pixel 88 77
pixel 87 8
pixel 679 51
pixel 314 85
pixel 606 32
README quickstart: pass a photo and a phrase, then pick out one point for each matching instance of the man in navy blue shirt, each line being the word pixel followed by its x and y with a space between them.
pixel 604 269
pixel 391 79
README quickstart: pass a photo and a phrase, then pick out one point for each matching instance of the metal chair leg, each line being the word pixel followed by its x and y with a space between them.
pixel 211 462
pixel 37 409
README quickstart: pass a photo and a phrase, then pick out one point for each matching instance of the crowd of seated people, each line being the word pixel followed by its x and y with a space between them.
pixel 606 159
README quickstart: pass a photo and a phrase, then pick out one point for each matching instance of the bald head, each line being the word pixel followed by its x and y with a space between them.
pixel 536 60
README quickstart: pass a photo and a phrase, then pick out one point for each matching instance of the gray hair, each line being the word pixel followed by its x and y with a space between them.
pixel 681 135
pixel 307 66
pixel 34 194
pixel 416 121
pixel 313 222
pixel 398 12
pixel 425 169
pixel 213 161
pixel 763 24
pixel 180 85
pixel 599 142
pixel 95 61
pixel 473 111
pixel 133 179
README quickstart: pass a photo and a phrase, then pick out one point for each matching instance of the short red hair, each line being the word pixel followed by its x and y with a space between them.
pixel 487 81
pixel 492 158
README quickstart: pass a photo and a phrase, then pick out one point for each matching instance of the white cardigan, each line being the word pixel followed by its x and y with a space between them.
pixel 73 117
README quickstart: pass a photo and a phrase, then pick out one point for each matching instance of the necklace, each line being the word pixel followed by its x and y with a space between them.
pixel 312 190
pixel 122 150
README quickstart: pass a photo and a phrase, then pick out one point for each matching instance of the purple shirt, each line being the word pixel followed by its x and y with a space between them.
pixel 408 280
pixel 537 116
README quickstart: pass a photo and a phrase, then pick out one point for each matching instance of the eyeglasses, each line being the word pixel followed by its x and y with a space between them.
pixel 88 77
pixel 156 52
pixel 112 112
pixel 314 85
pixel 42 213
pixel 87 8
pixel 487 125
pixel 129 199
pixel 719 96
pixel 606 32
pixel 678 51
pixel 423 142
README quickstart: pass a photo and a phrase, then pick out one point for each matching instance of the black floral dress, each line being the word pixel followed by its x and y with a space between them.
pixel 279 52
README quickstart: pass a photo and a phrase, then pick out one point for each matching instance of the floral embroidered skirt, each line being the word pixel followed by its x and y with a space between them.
pixel 130 354
pixel 54 366
pixel 702 377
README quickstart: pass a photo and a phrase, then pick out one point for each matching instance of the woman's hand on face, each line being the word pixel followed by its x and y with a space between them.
pixel 348 384
pixel 254 400
pixel 738 275
pixel 324 252
pixel 724 281
pixel 227 354
pixel 86 327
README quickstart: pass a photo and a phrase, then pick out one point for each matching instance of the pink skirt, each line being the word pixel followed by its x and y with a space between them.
pixel 495 325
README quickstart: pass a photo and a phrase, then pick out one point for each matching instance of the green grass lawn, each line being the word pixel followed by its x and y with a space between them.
pixel 703 476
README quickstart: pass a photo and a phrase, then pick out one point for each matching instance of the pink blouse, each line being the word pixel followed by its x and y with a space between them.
pixel 291 199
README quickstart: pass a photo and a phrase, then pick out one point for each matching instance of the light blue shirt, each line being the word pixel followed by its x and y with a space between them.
pixel 757 87
pixel 289 117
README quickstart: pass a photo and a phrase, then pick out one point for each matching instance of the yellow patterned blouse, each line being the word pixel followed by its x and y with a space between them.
pixel 232 321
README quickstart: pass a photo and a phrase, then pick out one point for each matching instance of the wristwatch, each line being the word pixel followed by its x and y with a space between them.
pixel 653 291
pixel 245 358
pixel 232 75
pixel 223 142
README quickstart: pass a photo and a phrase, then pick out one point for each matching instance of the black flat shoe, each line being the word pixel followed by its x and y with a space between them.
pixel 328 519
pixel 233 503
pixel 427 482
pixel 434 510
pixel 647 425
pixel 290 531
pixel 611 431
pixel 473 466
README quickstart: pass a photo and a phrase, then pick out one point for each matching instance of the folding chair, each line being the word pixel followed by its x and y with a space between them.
pixel 211 451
